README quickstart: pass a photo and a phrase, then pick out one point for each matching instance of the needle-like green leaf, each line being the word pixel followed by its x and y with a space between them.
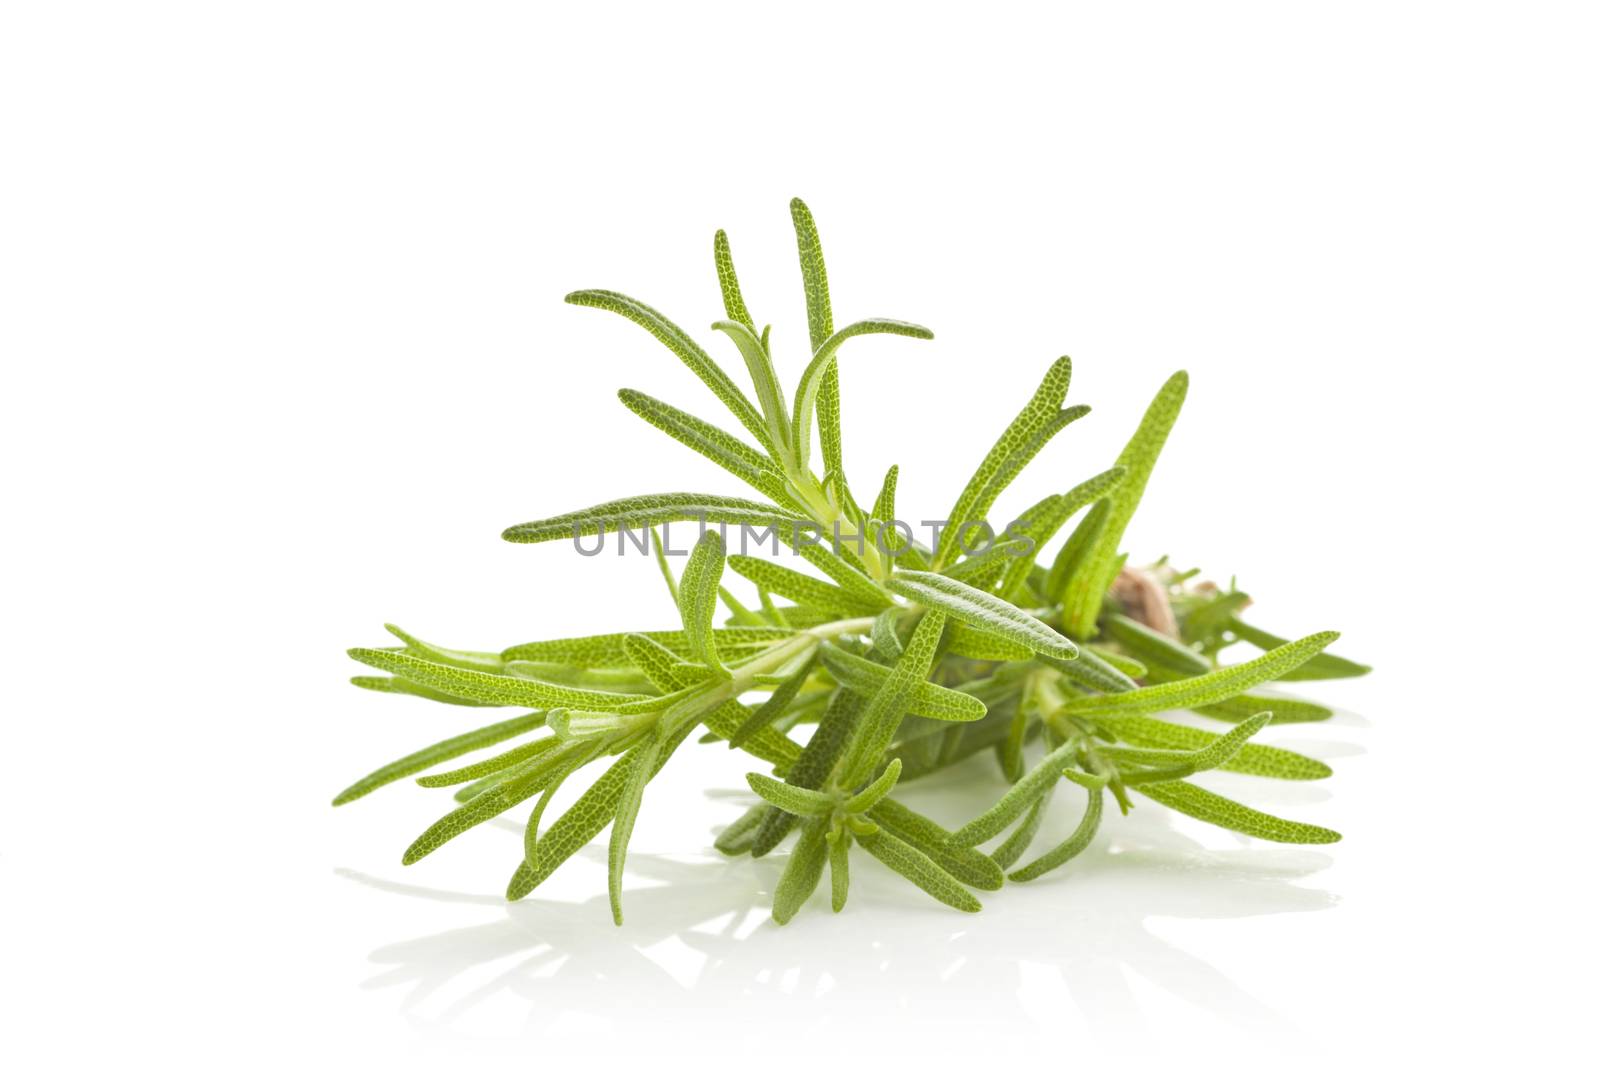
pixel 775 705
pixel 1010 807
pixel 626 815
pixel 1129 666
pixel 790 798
pixel 984 571
pixel 1169 764
pixel 682 346
pixel 923 698
pixel 435 754
pixel 472 772
pixel 1262 761
pixel 732 298
pixel 1321 666
pixel 839 867
pixel 385 684
pixel 819 327
pixel 1073 559
pixel 737 838
pixel 667 671
pixel 479 809
pixel 1011 752
pixel 765 743
pixel 624 680
pixel 886 644
pixel 574 759
pixel 844 569
pixel 1093 578
pixel 1206 806
pixel 1155 649
pixel 891 701
pixel 1020 440
pixel 982 644
pixel 823 368
pixel 802 873
pixel 697 599
pixel 1011 850
pixel 1051 515
pixel 589 814
pixel 496 688
pixel 769 394
pixel 981 611
pixel 869 796
pixel 1072 846
pixel 659 550
pixel 609 650
pixel 638 512
pixel 966 864
pixel 477 661
pixel 717 445
pixel 802 588
pixel 920 870
pixel 1090 670
pixel 1208 688
pixel 815 763
pixel 1284 709
pixel 883 506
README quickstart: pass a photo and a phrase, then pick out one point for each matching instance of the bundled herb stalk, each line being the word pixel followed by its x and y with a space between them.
pixel 893 661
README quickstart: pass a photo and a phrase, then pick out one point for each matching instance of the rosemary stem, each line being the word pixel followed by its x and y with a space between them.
pixel 743 679
pixel 826 512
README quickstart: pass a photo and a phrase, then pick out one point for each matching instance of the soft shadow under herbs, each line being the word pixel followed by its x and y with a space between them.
pixel 701 934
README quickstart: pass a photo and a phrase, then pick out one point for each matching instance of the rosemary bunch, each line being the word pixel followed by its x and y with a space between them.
pixel 902 657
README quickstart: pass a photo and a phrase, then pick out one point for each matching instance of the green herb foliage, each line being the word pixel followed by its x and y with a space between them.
pixel 906 659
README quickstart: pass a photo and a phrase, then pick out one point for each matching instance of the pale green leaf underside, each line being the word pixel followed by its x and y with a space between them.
pixel 982 611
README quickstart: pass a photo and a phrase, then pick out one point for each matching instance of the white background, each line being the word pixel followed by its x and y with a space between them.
pixel 284 350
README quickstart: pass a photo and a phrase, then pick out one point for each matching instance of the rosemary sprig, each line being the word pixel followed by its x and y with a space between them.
pixel 906 658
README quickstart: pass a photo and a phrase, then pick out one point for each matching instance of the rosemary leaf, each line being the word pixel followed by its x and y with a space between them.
pixel 801 874
pixel 791 798
pixel 497 688
pixel 697 599
pixel 717 445
pixel 922 698
pixel 1072 846
pixel 1208 688
pixel 732 298
pixel 626 815
pixel 839 868
pixel 1262 761
pixel 982 611
pixel 890 702
pixel 1018 438
pixel 920 870
pixel 1011 850
pixel 653 509
pixel 736 839
pixel 1321 666
pixel 438 753
pixel 1010 807
pixel 1208 807
pixel 1093 578
pixel 802 588
pixel 682 346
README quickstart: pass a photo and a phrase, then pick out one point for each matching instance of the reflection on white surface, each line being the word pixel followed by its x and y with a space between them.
pixel 699 948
